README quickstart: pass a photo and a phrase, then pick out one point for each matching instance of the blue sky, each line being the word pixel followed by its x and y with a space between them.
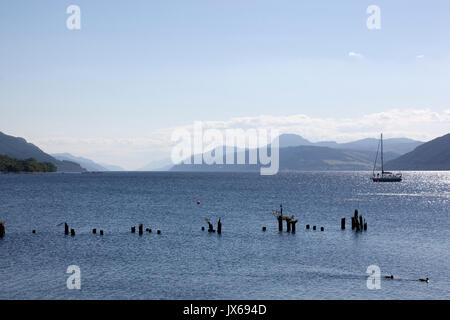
pixel 137 67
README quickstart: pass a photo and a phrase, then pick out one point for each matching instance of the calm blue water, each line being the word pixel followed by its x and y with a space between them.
pixel 408 236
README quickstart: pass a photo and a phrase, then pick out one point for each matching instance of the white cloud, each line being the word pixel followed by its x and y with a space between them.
pixel 421 56
pixel 355 55
pixel 132 153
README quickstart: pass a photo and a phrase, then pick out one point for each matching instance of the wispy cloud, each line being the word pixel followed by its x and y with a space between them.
pixel 420 56
pixel 355 55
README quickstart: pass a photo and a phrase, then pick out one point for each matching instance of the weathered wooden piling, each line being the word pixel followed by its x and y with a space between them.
pixel 322 228
pixel 66 228
pixel 361 224
pixel 314 227
pixel 353 223
pixel 264 228
pixel 210 227
pixel 72 232
pixel 203 228
pixel 2 229
pixel 219 227
pixel 33 231
pixel 293 222
pixel 101 232
pixel 307 226
pixel 133 229
pixel 141 229
pixel 343 224
pixel 94 231
pixel 365 226
pixel 288 225
pixel 280 223
pixel 158 231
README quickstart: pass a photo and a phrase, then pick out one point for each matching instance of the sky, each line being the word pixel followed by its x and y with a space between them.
pixel 114 90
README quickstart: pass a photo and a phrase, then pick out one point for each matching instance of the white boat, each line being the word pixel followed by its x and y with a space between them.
pixel 384 176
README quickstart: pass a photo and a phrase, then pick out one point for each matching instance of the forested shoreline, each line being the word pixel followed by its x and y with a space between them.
pixel 12 165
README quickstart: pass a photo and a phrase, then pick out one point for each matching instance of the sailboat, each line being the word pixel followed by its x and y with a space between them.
pixel 384 176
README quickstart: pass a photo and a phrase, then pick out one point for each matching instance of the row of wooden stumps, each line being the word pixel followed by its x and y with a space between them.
pixel 211 227
pixel 72 231
pixel 141 229
pixel 290 222
pixel 358 222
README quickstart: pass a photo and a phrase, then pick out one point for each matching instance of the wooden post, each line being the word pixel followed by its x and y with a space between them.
pixel 365 226
pixel 210 227
pixel 66 228
pixel 293 222
pixel 2 229
pixel 322 228
pixel 133 229
pixel 158 231
pixel 314 227
pixel 219 227
pixel 203 228
pixel 343 224
pixel 288 225
pixel 280 223
pixel 33 231
pixel 361 224
pixel 101 232
pixel 141 229
pixel 307 226
pixel 72 232
pixel 264 229
pixel 94 231
pixel 353 223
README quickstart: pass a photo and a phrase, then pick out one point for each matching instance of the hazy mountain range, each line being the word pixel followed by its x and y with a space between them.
pixel 86 163
pixel 296 153
pixel 19 148
pixel 433 155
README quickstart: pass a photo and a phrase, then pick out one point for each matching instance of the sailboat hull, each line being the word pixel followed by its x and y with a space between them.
pixel 386 179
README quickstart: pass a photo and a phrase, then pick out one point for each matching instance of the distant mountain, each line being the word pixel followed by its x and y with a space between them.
pixel 19 148
pixel 111 167
pixel 397 145
pixel 159 165
pixel 432 155
pixel 292 140
pixel 302 158
pixel 85 163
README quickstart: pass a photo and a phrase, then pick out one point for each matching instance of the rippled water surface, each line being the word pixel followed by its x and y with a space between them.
pixel 408 235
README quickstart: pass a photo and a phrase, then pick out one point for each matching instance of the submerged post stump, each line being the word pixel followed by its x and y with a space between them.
pixel 264 229
pixel 361 224
pixel 288 225
pixel 219 227
pixel 133 229
pixel 353 223
pixel 33 231
pixel 141 229
pixel 322 228
pixel 94 231
pixel 307 226
pixel 293 222
pixel 66 228
pixel 280 223
pixel 342 223
pixel 365 226
pixel 101 232
pixel 203 228
pixel 158 231
pixel 72 232
pixel 2 229
pixel 314 227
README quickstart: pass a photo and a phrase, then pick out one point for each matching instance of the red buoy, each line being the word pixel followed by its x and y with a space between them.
pixel 198 202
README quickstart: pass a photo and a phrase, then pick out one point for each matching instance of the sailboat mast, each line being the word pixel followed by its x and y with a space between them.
pixel 382 167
